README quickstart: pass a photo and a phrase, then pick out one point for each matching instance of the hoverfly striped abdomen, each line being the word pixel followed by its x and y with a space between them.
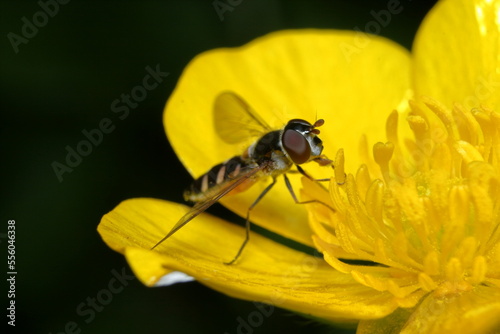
pixel 209 183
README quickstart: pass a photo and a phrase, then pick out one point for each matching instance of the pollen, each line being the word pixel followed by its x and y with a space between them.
pixel 423 215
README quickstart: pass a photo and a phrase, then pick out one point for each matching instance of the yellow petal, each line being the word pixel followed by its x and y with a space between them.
pixel 457 53
pixel 351 80
pixel 392 324
pixel 475 311
pixel 267 272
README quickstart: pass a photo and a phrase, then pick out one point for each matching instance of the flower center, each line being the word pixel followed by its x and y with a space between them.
pixel 425 212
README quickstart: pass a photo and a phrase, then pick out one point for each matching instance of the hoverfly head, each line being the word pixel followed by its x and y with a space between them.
pixel 300 140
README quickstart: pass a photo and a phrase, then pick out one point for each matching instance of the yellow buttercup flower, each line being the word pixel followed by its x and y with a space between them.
pixel 410 235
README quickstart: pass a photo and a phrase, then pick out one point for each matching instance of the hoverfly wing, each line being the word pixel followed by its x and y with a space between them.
pixel 204 205
pixel 235 121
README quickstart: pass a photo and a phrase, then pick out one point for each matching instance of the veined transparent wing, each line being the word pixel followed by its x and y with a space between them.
pixel 200 207
pixel 235 121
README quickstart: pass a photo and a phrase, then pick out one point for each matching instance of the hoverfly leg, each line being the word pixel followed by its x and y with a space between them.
pixel 329 163
pixel 247 223
pixel 292 192
pixel 303 172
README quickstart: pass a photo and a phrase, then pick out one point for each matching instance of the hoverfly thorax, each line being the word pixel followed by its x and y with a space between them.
pixel 300 140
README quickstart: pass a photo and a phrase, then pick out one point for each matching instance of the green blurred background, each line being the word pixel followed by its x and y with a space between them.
pixel 63 81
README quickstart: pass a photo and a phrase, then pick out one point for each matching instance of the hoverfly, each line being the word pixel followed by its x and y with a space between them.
pixel 273 154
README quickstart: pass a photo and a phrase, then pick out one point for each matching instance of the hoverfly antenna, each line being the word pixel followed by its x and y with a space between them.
pixel 319 123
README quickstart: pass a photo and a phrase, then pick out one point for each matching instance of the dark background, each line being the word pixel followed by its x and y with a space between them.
pixel 62 82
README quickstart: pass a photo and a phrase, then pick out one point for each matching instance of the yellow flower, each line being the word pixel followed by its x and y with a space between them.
pixel 414 242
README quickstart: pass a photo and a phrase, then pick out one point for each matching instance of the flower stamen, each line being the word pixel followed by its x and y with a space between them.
pixel 431 221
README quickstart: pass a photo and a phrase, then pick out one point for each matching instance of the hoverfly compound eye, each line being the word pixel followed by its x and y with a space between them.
pixel 297 146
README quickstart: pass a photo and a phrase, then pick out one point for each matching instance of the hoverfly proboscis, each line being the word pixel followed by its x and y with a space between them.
pixel 273 154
